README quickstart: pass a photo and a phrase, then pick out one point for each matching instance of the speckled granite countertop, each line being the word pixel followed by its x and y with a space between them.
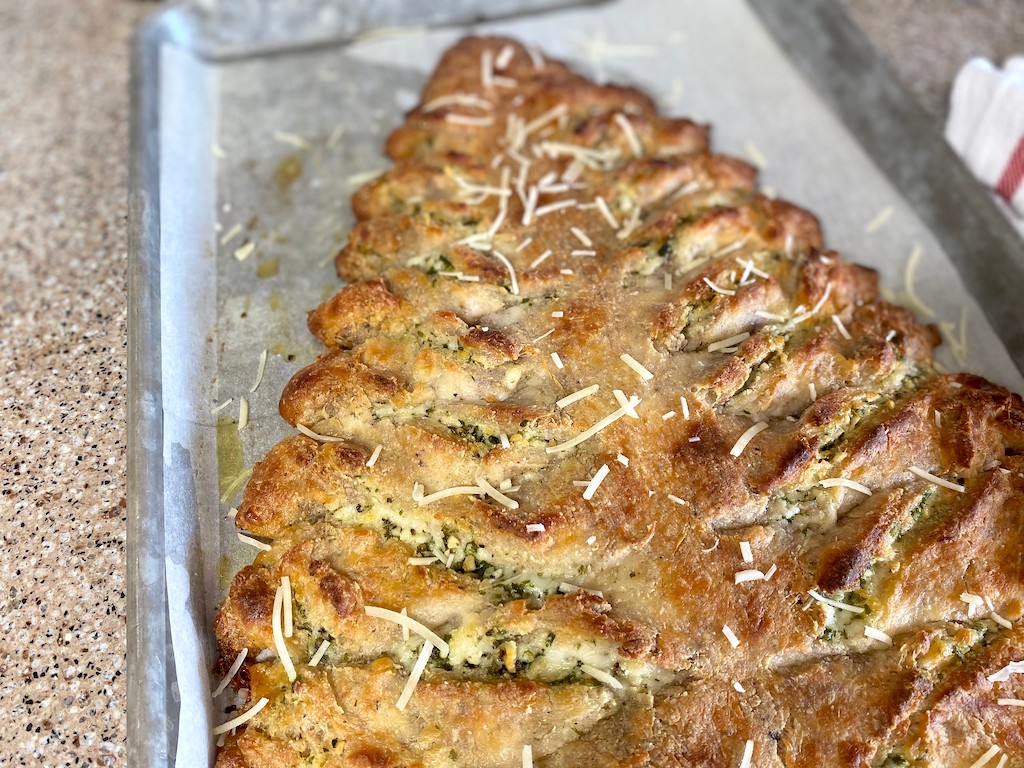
pixel 63 188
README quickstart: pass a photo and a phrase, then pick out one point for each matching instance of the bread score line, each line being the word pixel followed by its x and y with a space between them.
pixel 608 461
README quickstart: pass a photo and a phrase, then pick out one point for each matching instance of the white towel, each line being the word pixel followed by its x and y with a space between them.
pixel 986 127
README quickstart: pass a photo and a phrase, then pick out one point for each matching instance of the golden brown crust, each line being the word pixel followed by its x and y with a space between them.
pixel 439 377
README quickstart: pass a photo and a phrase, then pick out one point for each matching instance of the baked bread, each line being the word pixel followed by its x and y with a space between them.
pixel 660 480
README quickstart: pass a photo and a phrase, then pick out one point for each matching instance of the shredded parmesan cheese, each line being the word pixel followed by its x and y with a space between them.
pixel 877 634
pixel 841 328
pixel 316 657
pixel 316 436
pixel 243 413
pixel 730 636
pixel 527 756
pixel 622 460
pixel 668 415
pixel 601 676
pixel 243 718
pixel 626 408
pixel 535 528
pixel 748 750
pixel 290 138
pixel 374 456
pixel 582 236
pixel 497 495
pixel 422 561
pixel 254 542
pixel 908 283
pixel 1013 668
pixel 235 666
pixel 540 259
pixel 358 179
pixel 755 155
pixel 547 117
pixel 457 99
pixel 1001 621
pixel 286 587
pixel 814 310
pixel 595 482
pixel 677 500
pixel 459 490
pixel 469 120
pixel 843 482
pixel 751 574
pixel 985 758
pixel 642 372
pixel 1010 702
pixel 746 552
pixel 685 406
pixel 717 289
pixel 560 205
pixel 602 206
pixel 975 601
pixel 731 341
pixel 414 626
pixel 222 406
pixel 260 368
pixel 280 647
pixel 620 398
pixel 577 395
pixel 739 688
pixel 880 219
pixel 627 129
pixel 937 480
pixel 557 360
pixel 602 424
pixel 231 234
pixel 414 676
pixel 746 437
pixel 835 603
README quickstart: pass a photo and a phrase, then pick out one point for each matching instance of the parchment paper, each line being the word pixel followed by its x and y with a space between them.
pixel 264 151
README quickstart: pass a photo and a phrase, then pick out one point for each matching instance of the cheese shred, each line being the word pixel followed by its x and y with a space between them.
pixel 730 636
pixel 497 495
pixel 595 482
pixel 414 626
pixel 842 482
pixel 640 370
pixel 286 586
pixel 414 676
pixel 748 754
pixel 235 666
pixel 747 436
pixel 577 395
pixel 315 659
pixel 260 368
pixel 279 645
pixel 601 676
pixel 877 634
pixel 602 424
pixel 987 757
pixel 835 603
pixel 937 480
pixel 243 718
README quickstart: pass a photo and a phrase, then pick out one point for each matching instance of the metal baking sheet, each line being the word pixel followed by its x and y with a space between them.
pixel 243 162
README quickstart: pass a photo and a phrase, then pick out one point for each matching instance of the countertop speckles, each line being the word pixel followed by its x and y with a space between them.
pixel 63 202
pixel 63 181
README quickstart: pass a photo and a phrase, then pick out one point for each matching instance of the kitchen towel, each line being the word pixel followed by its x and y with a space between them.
pixel 986 128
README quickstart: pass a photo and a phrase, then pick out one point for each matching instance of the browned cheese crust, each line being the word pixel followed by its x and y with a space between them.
pixel 534 228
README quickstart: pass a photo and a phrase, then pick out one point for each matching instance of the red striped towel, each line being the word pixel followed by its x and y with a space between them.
pixel 986 126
